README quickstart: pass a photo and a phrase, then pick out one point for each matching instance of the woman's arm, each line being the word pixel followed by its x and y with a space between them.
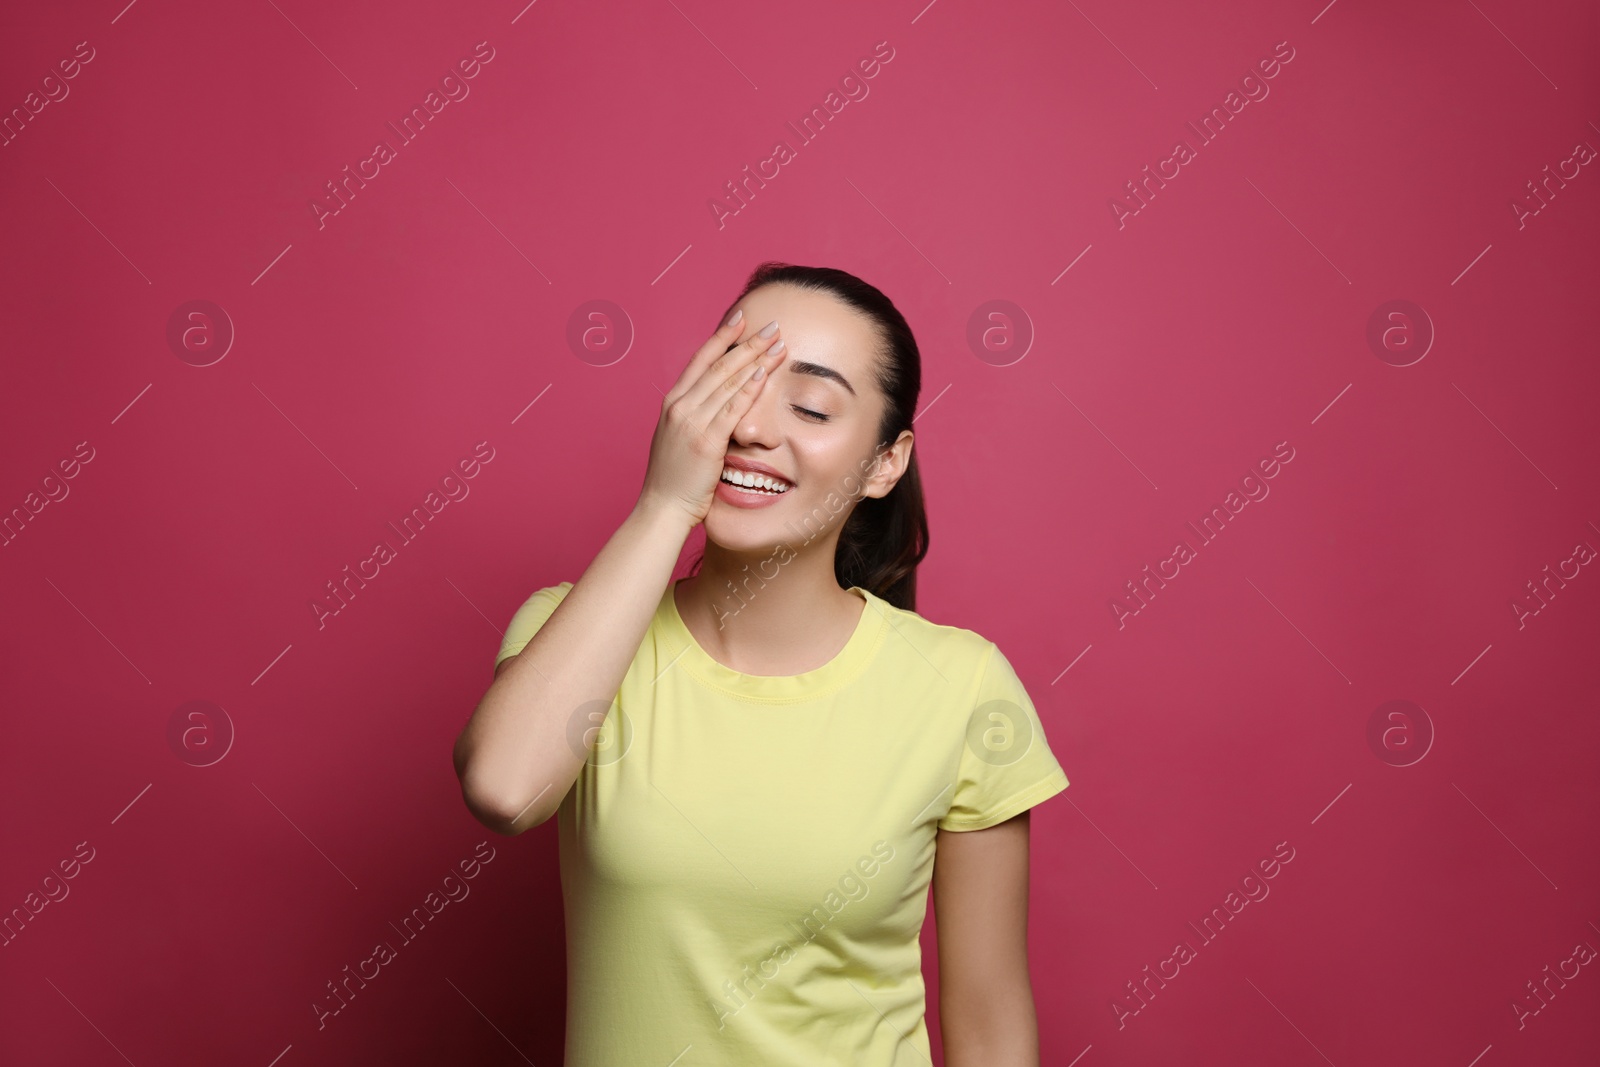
pixel 513 757
pixel 980 901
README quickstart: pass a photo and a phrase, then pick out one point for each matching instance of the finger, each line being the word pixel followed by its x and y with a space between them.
pixel 719 374
pixel 729 402
pixel 726 336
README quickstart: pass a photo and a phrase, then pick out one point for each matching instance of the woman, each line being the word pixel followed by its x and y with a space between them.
pixel 758 770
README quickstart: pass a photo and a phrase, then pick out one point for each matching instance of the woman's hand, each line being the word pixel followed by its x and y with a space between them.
pixel 699 413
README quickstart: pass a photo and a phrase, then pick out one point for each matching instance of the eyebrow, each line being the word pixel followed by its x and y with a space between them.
pixel 800 366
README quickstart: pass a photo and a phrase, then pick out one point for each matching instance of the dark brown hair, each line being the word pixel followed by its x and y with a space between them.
pixel 885 537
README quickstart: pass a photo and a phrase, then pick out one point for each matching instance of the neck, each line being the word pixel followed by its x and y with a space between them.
pixel 771 598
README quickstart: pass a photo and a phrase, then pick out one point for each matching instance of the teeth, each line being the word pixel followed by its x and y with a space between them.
pixel 750 480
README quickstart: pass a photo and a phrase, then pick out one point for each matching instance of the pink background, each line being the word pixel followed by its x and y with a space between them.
pixel 1165 357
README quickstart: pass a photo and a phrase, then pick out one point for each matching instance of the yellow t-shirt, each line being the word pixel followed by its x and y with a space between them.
pixel 745 859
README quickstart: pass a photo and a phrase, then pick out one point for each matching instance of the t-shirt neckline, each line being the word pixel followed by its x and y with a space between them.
pixel 857 652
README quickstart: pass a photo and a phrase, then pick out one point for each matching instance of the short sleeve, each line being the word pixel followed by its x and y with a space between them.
pixel 1006 763
pixel 533 613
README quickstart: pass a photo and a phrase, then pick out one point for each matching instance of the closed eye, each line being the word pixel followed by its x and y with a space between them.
pixel 813 414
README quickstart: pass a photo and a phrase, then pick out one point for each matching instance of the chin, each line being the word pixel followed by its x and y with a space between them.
pixel 738 530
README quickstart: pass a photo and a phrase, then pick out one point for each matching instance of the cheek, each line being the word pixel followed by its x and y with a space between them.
pixel 828 466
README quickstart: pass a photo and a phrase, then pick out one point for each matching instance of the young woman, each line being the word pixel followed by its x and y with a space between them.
pixel 758 770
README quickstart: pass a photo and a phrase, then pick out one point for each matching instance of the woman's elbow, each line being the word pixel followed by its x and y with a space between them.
pixel 504 814
pixel 493 812
pixel 486 805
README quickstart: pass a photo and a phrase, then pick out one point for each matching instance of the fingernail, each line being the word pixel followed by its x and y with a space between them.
pixel 776 347
pixel 737 315
pixel 770 328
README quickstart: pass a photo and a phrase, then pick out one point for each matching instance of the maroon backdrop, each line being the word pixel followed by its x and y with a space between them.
pixel 1258 428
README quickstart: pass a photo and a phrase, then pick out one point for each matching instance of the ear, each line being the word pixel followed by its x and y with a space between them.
pixel 891 466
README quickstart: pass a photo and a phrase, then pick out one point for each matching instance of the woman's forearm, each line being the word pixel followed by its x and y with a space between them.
pixel 994 1027
pixel 513 757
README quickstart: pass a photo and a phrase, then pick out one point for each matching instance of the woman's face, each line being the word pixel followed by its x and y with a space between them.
pixel 815 422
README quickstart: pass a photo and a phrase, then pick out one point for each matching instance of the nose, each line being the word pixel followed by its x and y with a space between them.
pixel 758 427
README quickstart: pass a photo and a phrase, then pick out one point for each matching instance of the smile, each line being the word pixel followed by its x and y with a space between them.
pixel 758 484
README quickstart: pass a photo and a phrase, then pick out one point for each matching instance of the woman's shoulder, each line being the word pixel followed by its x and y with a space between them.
pixel 957 643
pixel 550 595
pixel 529 617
